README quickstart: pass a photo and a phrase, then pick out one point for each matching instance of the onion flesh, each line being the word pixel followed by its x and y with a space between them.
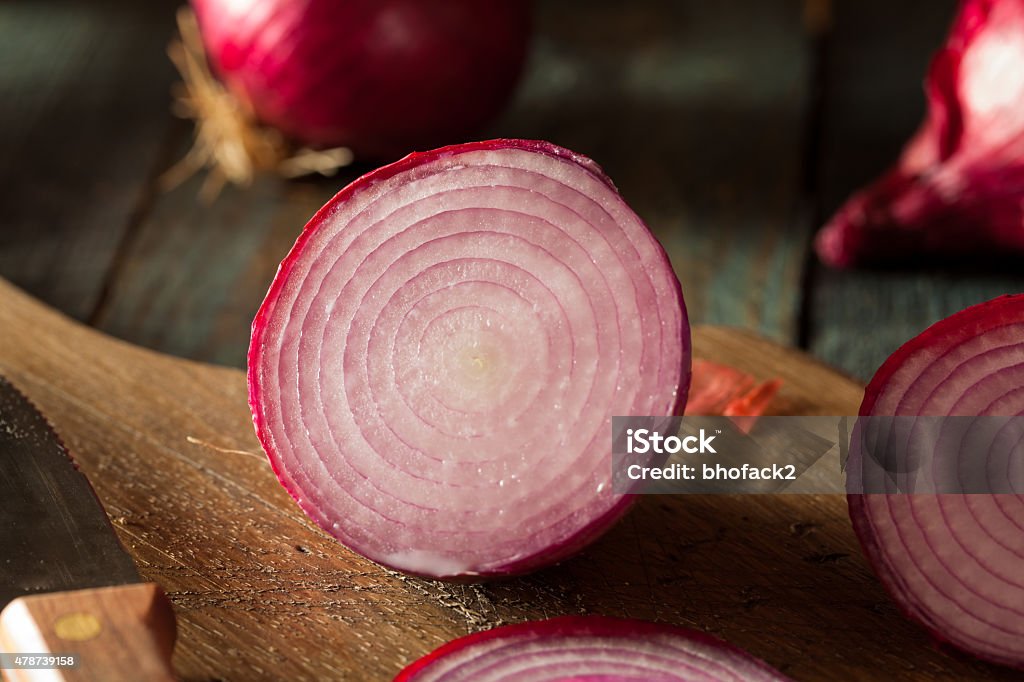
pixel 381 77
pixel 435 367
pixel 954 563
pixel 591 649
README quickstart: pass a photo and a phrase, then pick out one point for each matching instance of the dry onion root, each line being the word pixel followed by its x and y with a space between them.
pixel 588 649
pixel 954 562
pixel 435 367
pixel 229 142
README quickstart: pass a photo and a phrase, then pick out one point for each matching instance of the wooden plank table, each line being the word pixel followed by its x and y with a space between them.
pixel 872 69
pixel 733 128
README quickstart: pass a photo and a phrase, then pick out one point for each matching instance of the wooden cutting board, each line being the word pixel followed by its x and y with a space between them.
pixel 261 593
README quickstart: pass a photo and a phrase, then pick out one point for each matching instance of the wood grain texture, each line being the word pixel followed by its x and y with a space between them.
pixel 118 634
pixel 697 118
pixel 85 92
pixel 875 62
pixel 262 594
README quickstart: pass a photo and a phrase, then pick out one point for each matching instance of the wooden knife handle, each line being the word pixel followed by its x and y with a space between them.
pixel 119 634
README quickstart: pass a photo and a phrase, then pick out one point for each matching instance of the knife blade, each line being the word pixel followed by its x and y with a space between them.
pixel 68 589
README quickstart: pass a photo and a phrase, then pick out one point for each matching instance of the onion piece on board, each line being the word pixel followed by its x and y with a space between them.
pixel 591 649
pixel 954 563
pixel 435 367
pixel 717 389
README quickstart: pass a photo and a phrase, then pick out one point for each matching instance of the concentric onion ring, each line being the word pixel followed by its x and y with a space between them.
pixel 955 563
pixel 435 367
pixel 588 649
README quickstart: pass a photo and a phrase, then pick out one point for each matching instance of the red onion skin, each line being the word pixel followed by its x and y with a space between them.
pixel 970 321
pixel 596 527
pixel 601 626
pixel 958 188
pixel 378 76
pixel 717 389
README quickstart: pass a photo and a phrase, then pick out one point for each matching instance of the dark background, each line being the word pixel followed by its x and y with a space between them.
pixel 733 129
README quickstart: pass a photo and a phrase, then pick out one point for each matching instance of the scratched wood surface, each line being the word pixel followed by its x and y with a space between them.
pixel 261 594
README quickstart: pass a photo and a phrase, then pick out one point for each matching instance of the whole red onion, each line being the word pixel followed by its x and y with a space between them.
pixel 382 77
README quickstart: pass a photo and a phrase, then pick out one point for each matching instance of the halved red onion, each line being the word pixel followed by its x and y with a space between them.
pixel 434 370
pixel 591 649
pixel 955 563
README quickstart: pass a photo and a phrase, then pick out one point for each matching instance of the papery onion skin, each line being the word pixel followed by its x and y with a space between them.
pixel 666 376
pixel 381 77
pixel 960 614
pixel 958 188
pixel 699 654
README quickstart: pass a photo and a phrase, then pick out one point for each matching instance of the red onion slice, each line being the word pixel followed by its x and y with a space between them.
pixel 434 370
pixel 955 563
pixel 591 649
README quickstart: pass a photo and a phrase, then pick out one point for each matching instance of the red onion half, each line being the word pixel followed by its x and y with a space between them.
pixel 955 563
pixel 958 187
pixel 434 370
pixel 588 649
pixel 378 76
